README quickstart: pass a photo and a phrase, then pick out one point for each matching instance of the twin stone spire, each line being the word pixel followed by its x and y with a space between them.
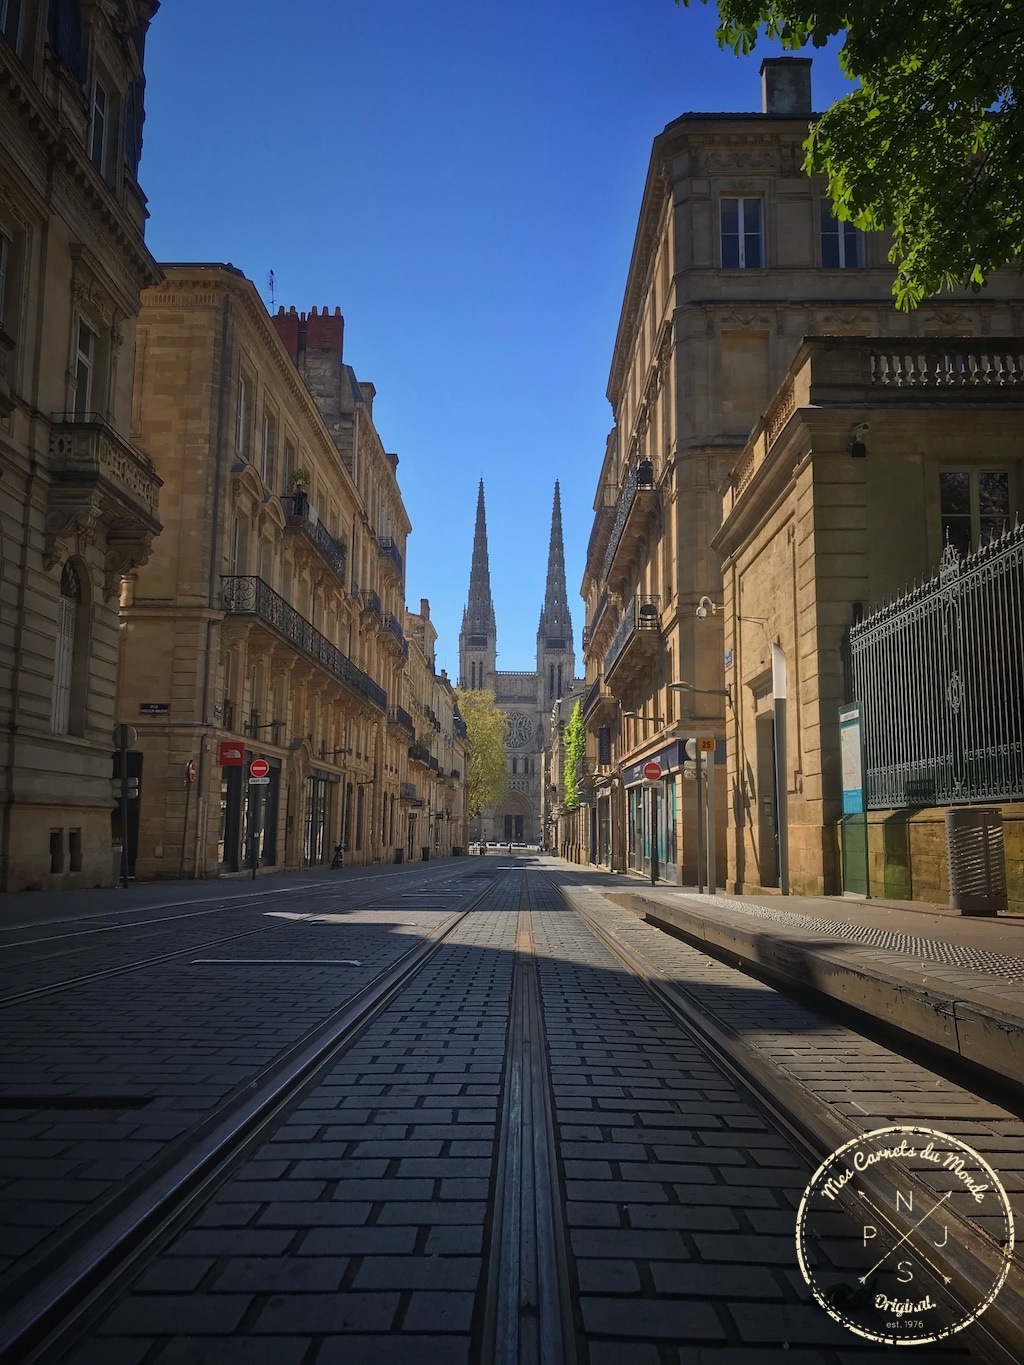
pixel 478 638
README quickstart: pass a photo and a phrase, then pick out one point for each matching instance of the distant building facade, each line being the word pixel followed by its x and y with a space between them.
pixel 737 258
pixel 78 497
pixel 270 621
pixel 525 698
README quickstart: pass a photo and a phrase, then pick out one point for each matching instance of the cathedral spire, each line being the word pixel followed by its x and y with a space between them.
pixel 477 642
pixel 554 616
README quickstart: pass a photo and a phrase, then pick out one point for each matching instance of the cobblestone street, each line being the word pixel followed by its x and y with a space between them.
pixel 451 1114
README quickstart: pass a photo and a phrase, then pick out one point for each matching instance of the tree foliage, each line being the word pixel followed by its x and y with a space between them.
pixel 931 144
pixel 574 743
pixel 486 726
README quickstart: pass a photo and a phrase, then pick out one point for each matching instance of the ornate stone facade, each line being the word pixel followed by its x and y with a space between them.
pixel 78 498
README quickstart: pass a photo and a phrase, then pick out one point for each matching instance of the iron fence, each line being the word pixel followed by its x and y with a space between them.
pixel 940 675
pixel 247 595
pixel 296 509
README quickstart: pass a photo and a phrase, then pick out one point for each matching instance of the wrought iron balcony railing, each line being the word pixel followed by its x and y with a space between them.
pixel 419 753
pixel 390 551
pixel 641 615
pixel 399 716
pixel 459 726
pixel 641 479
pixel 247 595
pixel 372 604
pixel 396 630
pixel 296 510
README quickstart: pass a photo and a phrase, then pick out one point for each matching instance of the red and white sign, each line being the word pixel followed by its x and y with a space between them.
pixel 190 770
pixel 259 767
pixel 232 754
pixel 652 771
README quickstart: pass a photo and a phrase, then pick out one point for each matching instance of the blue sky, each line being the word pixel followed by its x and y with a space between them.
pixel 464 180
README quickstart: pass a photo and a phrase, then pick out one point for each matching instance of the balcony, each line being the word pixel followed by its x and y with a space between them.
pixel 596 701
pixel 459 727
pixel 371 605
pixel 635 505
pixel 247 595
pixel 604 519
pixel 400 717
pixel 99 481
pixel 419 753
pixel 391 555
pixel 634 644
pixel 395 635
pixel 297 517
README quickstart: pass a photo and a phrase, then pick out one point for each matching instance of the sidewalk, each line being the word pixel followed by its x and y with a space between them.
pixel 952 981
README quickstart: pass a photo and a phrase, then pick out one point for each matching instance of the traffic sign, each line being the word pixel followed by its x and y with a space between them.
pixel 190 770
pixel 706 744
pixel 259 767
pixel 652 771
pixel 259 781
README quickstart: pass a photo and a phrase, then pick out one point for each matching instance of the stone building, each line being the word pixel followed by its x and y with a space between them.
pixel 78 498
pixel 876 465
pixel 270 620
pixel 737 258
pixel 525 698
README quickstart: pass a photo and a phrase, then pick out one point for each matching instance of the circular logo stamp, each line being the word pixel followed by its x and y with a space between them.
pixel 883 1220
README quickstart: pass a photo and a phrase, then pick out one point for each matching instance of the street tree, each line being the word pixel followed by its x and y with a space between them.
pixel 931 143
pixel 486 726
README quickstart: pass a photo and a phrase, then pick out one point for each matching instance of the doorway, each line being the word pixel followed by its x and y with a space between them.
pixel 767 828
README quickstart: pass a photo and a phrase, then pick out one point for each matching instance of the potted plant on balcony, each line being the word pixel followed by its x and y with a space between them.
pixel 299 499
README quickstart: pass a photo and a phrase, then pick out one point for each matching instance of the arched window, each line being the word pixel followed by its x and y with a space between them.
pixel 68 653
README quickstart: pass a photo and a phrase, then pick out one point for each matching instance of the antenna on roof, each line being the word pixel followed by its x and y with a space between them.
pixel 272 286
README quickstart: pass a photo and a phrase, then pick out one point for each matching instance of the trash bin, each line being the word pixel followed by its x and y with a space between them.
pixel 976 859
pixel 399 855
pixel 425 853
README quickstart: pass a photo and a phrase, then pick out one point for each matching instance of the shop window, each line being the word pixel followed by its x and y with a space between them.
pixel 742 234
pixel 975 506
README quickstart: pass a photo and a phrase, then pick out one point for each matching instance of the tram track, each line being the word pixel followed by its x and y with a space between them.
pixel 531 1304
pixel 52 1290
pixel 156 959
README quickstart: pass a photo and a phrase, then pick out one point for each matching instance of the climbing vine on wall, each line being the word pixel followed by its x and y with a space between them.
pixel 574 742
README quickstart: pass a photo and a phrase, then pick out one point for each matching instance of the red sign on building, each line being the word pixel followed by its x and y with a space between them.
pixel 232 754
pixel 652 771
pixel 259 767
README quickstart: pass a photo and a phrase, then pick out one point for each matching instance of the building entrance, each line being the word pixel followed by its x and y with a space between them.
pixel 513 829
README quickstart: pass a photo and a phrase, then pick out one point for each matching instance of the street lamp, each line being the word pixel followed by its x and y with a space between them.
pixel 725 691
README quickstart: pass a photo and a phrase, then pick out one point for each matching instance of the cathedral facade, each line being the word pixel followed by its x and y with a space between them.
pixel 525 698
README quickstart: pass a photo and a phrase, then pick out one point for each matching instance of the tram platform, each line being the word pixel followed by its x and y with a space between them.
pixel 953 982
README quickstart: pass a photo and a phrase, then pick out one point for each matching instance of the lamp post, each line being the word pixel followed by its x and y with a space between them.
pixel 704 756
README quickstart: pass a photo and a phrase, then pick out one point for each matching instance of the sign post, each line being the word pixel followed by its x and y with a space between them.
pixel 190 777
pixel 259 776
pixel 781 774
pixel 706 748
pixel 124 739
pixel 652 776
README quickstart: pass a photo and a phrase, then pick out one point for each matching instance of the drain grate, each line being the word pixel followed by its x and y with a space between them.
pixel 1002 965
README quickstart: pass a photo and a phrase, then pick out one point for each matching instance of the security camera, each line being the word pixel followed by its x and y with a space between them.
pixel 705 608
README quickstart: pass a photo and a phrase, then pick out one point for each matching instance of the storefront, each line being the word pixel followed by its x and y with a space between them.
pixel 316 840
pixel 248 811
pixel 651 814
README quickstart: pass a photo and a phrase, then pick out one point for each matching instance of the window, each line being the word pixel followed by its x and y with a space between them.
pixel 10 21
pixel 742 246
pixel 842 245
pixel 243 423
pixel 975 507
pixel 5 280
pixel 99 127
pixel 268 449
pixel 85 368
pixel 289 466
pixel 68 605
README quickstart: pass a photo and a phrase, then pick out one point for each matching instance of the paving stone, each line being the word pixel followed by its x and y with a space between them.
pixel 773 1324
pixel 164 1314
pixel 608 1277
pixel 431 1214
pixel 239 1351
pixel 316 1213
pixel 241 1242
pixel 398 1349
pixel 617 1243
pixel 439 1312
pixel 639 1318
pixel 737 1250
pixel 280 1274
pixel 454 1241
pixel 715 1281
pixel 178 1274
pixel 358 1241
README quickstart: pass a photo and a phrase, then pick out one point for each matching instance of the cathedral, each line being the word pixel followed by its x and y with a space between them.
pixel 525 698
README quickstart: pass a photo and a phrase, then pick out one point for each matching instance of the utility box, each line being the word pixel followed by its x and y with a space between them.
pixel 977 860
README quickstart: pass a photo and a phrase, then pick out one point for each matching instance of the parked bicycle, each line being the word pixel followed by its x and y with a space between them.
pixel 339 857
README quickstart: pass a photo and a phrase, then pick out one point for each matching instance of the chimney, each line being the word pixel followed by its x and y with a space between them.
pixel 786 85
pixel 425 608
pixel 368 391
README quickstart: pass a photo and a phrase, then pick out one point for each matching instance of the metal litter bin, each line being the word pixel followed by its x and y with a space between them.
pixel 977 860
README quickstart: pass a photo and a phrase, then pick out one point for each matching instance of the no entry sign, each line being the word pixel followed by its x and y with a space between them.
pixel 652 771
pixel 259 767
